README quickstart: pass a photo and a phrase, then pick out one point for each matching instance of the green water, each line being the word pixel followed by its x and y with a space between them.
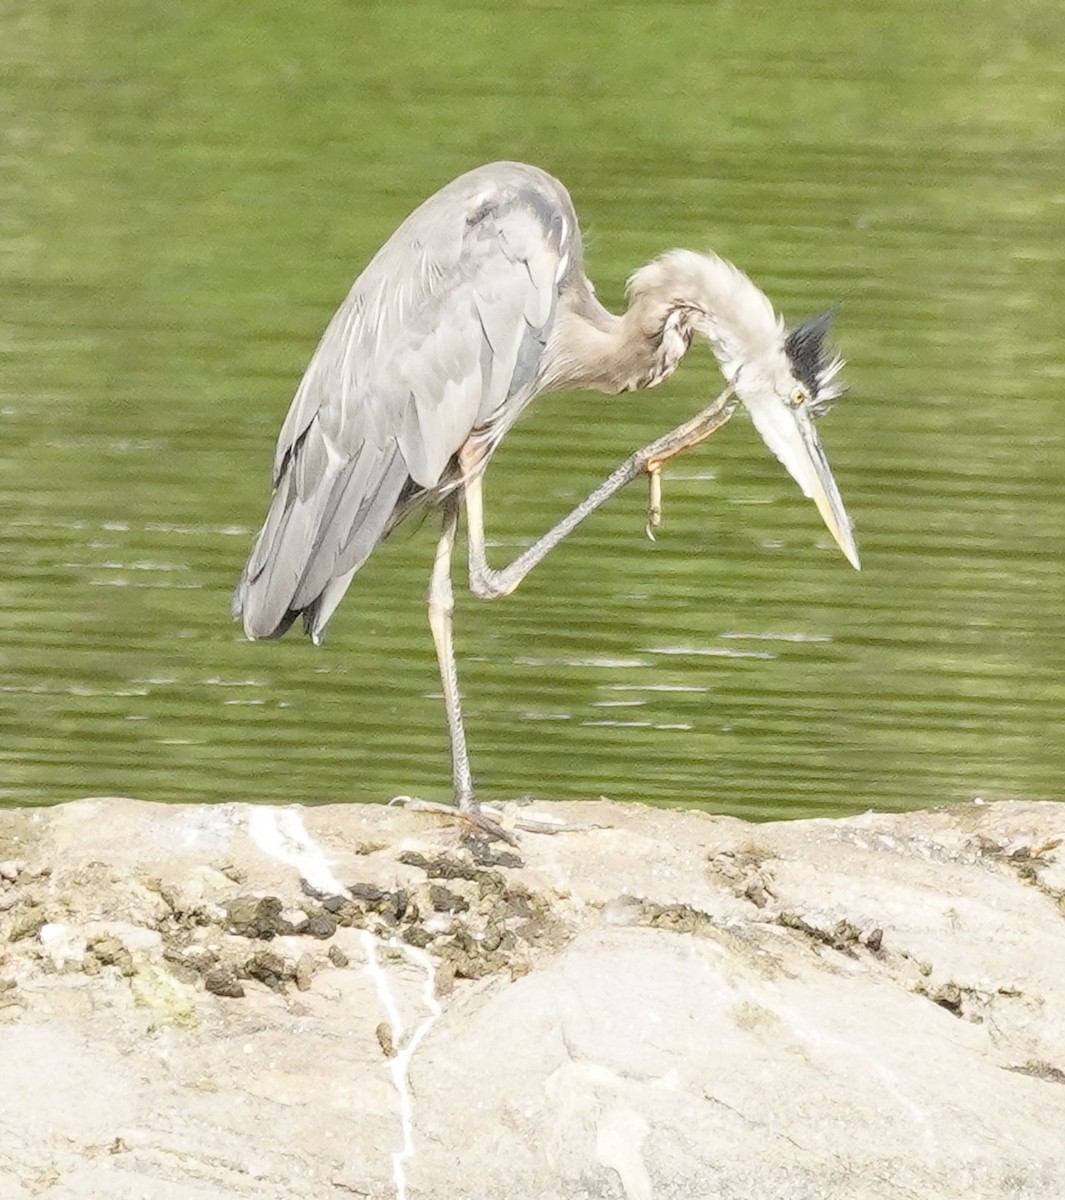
pixel 187 191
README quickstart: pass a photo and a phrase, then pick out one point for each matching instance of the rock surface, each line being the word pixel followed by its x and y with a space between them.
pixel 235 1001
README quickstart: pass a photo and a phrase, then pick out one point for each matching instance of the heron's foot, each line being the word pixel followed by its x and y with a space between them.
pixel 488 822
pixel 514 815
pixel 654 499
pixel 530 822
pixel 498 822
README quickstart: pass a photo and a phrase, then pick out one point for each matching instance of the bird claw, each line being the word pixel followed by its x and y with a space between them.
pixel 654 499
pixel 486 821
pixel 497 822
pixel 552 825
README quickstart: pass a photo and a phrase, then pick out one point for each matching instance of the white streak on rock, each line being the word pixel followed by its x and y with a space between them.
pixel 280 834
pixel 63 944
pixel 405 1045
pixel 619 1137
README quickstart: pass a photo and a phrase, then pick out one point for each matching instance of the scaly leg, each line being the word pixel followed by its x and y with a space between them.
pixel 488 584
pixel 441 608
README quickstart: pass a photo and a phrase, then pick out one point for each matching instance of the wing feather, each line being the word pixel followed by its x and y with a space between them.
pixel 442 334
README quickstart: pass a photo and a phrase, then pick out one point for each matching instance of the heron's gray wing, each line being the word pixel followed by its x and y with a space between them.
pixel 441 334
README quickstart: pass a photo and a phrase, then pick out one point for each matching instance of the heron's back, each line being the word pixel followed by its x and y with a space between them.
pixel 442 335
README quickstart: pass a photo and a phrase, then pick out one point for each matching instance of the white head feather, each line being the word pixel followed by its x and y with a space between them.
pixel 735 316
pixel 781 377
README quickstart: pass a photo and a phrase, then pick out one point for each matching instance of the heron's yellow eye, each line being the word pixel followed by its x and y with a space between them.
pixel 798 398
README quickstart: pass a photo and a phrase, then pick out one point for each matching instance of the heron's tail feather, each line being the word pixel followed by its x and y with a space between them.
pixel 312 544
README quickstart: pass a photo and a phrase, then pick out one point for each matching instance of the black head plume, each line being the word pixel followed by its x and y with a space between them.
pixel 815 366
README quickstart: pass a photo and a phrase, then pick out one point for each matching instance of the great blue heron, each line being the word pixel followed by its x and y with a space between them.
pixel 475 305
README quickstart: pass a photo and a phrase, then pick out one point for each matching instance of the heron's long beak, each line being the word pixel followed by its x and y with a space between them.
pixel 790 434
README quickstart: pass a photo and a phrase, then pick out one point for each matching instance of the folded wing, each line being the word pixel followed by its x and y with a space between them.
pixel 441 335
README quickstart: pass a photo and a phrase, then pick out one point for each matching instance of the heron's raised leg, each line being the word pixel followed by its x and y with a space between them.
pixel 488 584
pixel 441 608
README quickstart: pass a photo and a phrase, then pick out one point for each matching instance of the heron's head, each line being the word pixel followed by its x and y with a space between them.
pixel 784 378
pixel 784 390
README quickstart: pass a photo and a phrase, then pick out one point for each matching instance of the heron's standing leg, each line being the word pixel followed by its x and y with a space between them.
pixel 488 584
pixel 441 608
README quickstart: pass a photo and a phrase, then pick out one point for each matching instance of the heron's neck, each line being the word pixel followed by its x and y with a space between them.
pixel 592 348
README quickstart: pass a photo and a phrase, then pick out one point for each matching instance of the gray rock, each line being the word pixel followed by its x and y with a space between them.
pixel 865 1008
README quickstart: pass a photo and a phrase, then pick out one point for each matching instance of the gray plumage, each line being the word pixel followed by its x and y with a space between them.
pixel 475 305
pixel 441 335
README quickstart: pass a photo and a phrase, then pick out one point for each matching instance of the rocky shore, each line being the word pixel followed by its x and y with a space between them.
pixel 240 1001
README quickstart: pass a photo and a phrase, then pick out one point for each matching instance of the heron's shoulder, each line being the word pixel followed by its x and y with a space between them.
pixel 516 200
pixel 512 182
pixel 467 284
